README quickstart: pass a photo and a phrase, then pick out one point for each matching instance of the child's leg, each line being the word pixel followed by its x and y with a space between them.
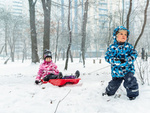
pixel 77 74
pixel 69 77
pixel 50 76
pixel 113 86
pixel 131 85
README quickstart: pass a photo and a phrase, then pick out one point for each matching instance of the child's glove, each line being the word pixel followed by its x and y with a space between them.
pixel 122 60
pixel 116 61
pixel 37 81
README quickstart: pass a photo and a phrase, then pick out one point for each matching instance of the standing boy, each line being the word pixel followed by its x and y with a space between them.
pixel 121 55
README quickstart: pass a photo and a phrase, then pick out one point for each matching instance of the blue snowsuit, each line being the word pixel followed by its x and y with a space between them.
pixel 122 70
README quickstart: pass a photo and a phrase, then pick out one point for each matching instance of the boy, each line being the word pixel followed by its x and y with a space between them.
pixel 121 55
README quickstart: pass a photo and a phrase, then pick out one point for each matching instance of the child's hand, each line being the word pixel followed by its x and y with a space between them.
pixel 37 81
pixel 117 61
pixel 122 60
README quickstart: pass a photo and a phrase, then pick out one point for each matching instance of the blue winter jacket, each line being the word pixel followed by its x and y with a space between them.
pixel 121 51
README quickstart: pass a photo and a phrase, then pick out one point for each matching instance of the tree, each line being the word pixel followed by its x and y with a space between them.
pixel 35 57
pixel 70 37
pixel 84 23
pixel 145 19
pixel 57 41
pixel 6 17
pixel 13 38
pixel 129 12
pixel 10 25
pixel 47 9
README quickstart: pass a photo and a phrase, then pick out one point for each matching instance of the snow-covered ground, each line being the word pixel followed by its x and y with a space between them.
pixel 19 94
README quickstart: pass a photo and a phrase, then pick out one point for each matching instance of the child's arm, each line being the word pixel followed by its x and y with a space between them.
pixel 111 57
pixel 132 55
pixel 40 72
pixel 53 69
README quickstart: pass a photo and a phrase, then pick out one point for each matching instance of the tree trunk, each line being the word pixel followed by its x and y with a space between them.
pixel 24 51
pixel 2 49
pixel 122 12
pixel 57 42
pixel 6 36
pixel 84 31
pixel 63 58
pixel 129 12
pixel 47 9
pixel 6 61
pixel 35 57
pixel 70 37
pixel 12 55
pixel 143 27
pixel 71 57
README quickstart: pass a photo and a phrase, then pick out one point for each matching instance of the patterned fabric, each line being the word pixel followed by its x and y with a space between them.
pixel 130 84
pixel 47 68
pixel 117 52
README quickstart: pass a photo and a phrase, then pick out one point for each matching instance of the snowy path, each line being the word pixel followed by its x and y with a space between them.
pixel 19 94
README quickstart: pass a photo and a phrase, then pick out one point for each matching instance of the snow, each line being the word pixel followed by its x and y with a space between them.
pixel 19 94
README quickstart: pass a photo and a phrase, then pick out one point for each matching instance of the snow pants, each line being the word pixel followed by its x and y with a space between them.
pixel 60 76
pixel 130 84
pixel 50 76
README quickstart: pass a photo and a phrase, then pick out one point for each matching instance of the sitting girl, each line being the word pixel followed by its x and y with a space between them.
pixel 48 70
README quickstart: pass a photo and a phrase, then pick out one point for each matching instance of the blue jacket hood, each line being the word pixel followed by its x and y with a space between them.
pixel 117 29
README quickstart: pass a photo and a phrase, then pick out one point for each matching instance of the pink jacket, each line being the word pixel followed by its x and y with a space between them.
pixel 47 68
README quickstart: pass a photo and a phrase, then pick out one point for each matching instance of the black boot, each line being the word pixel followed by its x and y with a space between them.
pixel 132 98
pixel 60 75
pixel 77 74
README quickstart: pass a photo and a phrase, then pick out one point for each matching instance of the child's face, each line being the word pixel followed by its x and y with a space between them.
pixel 48 59
pixel 122 36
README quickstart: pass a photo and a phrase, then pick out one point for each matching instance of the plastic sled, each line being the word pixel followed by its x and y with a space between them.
pixel 62 82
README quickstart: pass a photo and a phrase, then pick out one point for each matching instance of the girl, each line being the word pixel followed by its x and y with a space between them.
pixel 48 70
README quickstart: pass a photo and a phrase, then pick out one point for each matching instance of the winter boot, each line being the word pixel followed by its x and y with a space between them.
pixel 132 98
pixel 77 74
pixel 60 75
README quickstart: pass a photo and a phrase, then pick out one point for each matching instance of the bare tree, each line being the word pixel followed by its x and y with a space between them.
pixel 6 17
pixel 47 9
pixel 84 23
pixel 143 27
pixel 12 39
pixel 70 37
pixel 35 57
pixel 10 25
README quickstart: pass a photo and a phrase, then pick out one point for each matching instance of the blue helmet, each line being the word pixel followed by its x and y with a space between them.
pixel 120 28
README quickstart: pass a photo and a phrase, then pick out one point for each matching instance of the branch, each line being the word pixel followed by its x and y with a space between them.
pixel 145 19
pixel 62 100
pixel 34 2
